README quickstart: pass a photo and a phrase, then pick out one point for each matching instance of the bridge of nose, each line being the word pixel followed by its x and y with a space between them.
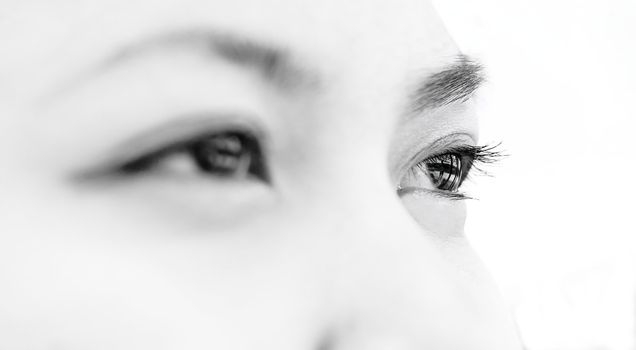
pixel 379 273
pixel 382 279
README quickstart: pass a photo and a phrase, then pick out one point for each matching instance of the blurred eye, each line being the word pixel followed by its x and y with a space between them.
pixel 445 172
pixel 227 154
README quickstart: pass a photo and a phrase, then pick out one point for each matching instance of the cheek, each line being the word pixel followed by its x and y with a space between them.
pixel 442 218
pixel 77 290
pixel 77 274
pixel 63 292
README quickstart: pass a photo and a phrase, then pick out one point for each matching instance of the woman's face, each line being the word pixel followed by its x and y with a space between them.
pixel 245 174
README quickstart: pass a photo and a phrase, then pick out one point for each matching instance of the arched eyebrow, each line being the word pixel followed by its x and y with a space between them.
pixel 455 83
pixel 270 61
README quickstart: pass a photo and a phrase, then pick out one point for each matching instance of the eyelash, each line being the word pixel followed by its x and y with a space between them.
pixel 225 154
pixel 454 166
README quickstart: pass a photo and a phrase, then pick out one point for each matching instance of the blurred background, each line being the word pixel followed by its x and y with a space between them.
pixel 555 223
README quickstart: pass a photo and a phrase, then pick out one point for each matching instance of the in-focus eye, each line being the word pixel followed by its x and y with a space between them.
pixel 445 172
pixel 227 154
pixel 448 171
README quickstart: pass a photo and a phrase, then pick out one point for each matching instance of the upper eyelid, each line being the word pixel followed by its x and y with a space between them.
pixel 438 147
pixel 173 135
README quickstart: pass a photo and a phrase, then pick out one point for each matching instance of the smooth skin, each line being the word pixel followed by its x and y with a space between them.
pixel 325 255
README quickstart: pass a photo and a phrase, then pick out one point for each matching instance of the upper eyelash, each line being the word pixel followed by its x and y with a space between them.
pixel 146 161
pixel 173 134
pixel 482 155
pixel 140 155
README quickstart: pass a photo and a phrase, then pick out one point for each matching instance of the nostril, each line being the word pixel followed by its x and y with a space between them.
pixel 366 342
pixel 326 343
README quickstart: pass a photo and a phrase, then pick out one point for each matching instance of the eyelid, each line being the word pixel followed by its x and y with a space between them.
pixel 172 134
pixel 438 147
pixel 428 192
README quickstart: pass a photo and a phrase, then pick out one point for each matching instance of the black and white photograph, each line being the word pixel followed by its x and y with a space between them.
pixel 317 175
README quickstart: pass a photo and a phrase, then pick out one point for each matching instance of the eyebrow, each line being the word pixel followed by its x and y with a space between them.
pixel 271 62
pixel 456 82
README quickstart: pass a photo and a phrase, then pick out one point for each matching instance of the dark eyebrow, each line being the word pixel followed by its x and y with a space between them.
pixel 455 83
pixel 273 63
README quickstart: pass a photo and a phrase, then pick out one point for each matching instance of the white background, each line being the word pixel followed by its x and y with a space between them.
pixel 555 224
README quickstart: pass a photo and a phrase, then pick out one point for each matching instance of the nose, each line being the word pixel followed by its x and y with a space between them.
pixel 396 286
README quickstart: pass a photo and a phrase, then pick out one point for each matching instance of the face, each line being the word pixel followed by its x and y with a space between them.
pixel 241 174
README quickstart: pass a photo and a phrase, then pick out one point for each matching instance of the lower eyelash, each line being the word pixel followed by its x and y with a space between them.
pixel 436 193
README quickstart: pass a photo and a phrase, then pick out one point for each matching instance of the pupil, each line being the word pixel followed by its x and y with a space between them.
pixel 445 173
pixel 223 154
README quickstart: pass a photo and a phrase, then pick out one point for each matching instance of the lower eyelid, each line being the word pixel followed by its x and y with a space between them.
pixel 430 192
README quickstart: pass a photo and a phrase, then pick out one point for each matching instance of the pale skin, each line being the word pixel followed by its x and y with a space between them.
pixel 323 254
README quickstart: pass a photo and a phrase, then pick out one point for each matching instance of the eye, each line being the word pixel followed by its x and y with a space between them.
pixel 448 171
pixel 445 172
pixel 226 154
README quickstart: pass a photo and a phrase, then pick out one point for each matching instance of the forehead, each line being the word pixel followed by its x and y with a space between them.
pixel 350 19
pixel 335 35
